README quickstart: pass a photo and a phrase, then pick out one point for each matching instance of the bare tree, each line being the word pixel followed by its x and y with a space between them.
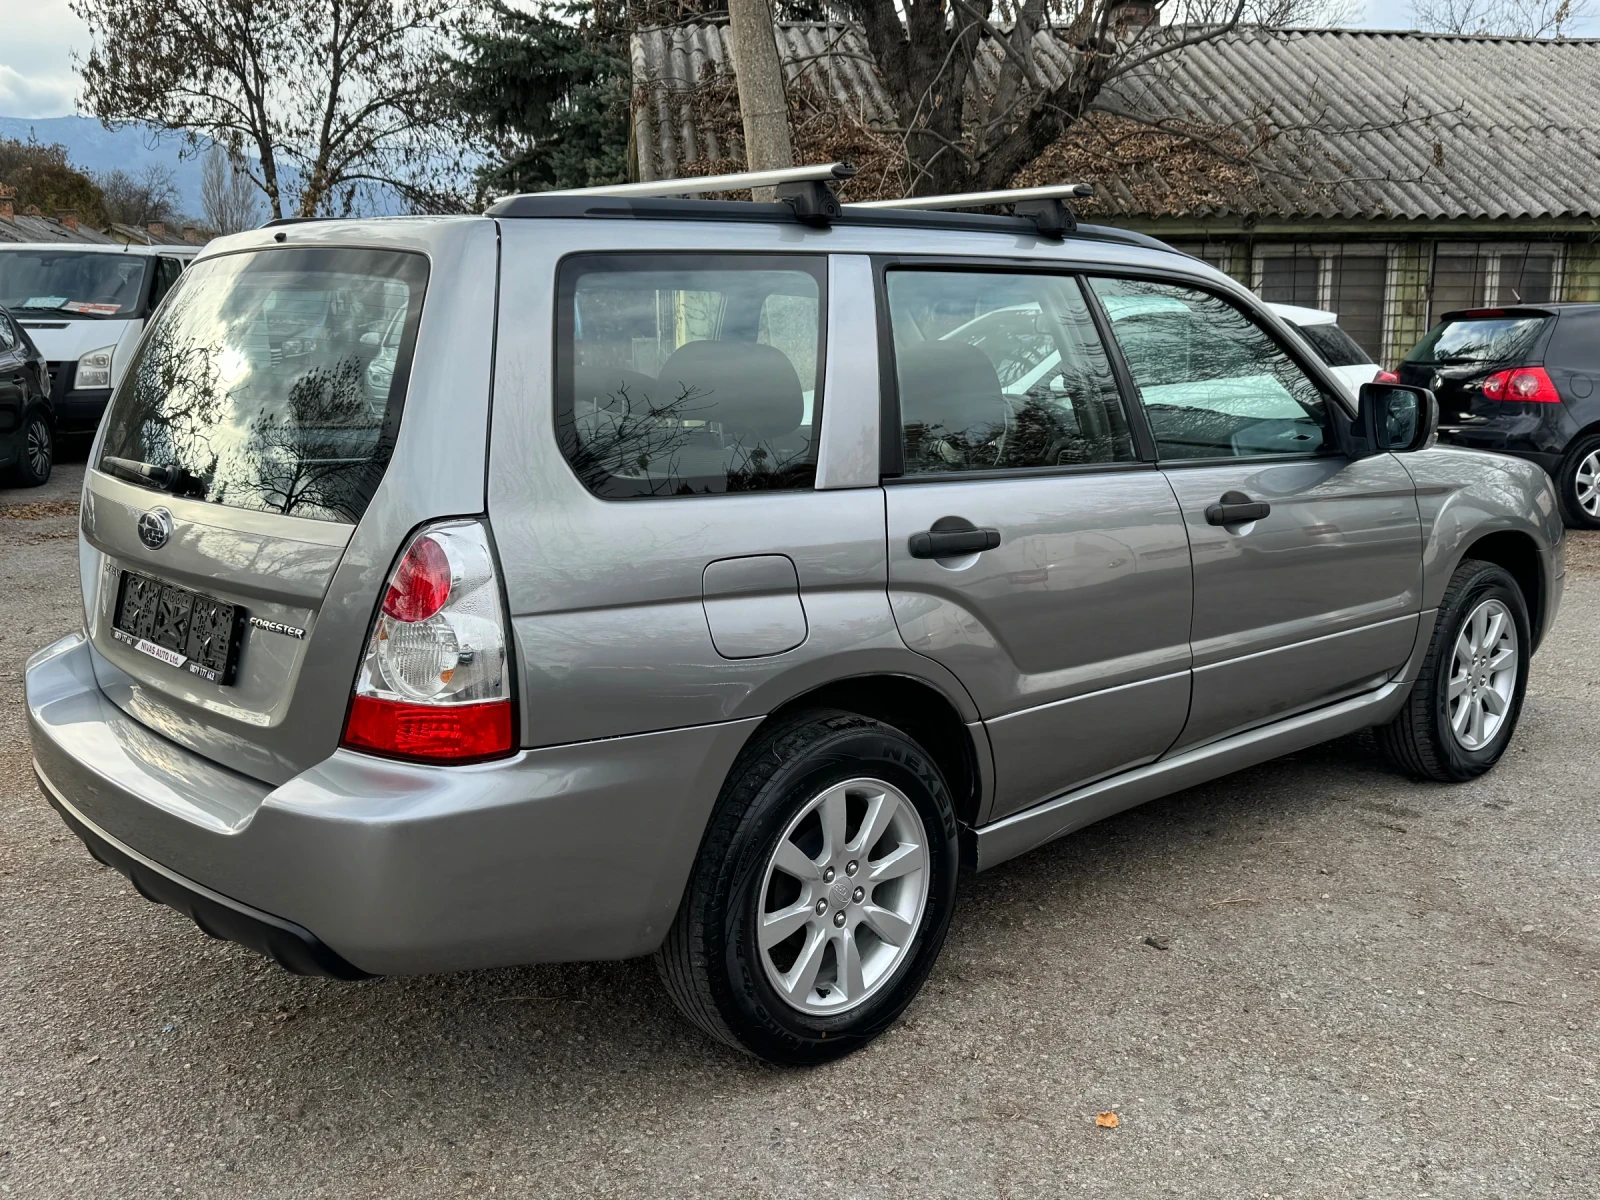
pixel 327 96
pixel 1512 18
pixel 1270 14
pixel 151 195
pixel 761 99
pixel 226 193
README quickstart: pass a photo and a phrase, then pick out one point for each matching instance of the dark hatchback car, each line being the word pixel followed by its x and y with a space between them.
pixel 27 420
pixel 1522 381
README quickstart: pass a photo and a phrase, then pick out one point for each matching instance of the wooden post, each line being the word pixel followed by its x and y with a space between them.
pixel 761 98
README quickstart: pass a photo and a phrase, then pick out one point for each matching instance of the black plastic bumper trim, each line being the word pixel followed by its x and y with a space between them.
pixel 291 947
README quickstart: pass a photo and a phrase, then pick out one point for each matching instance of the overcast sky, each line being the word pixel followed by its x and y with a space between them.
pixel 37 79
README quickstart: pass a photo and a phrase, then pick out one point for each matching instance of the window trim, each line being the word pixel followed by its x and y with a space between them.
pixel 1319 372
pixel 891 431
pixel 811 262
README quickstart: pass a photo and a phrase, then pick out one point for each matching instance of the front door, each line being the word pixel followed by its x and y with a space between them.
pixel 1307 564
pixel 1032 549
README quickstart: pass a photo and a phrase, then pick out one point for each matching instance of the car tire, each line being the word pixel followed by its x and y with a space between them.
pixel 38 446
pixel 1578 484
pixel 748 907
pixel 1465 703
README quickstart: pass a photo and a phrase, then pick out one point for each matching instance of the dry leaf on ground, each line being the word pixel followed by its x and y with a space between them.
pixel 1107 1120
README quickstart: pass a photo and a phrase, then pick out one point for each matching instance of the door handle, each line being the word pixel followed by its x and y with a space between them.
pixel 1235 508
pixel 948 543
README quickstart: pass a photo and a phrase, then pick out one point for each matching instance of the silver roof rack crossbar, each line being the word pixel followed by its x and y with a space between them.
pixel 821 173
pixel 1055 191
pixel 1045 206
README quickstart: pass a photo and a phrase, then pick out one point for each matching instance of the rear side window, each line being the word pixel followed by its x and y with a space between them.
pixel 1477 339
pixel 1001 372
pixel 274 379
pixel 1334 346
pixel 689 375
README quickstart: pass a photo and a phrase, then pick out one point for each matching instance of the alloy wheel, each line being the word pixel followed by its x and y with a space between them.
pixel 38 448
pixel 1483 675
pixel 1586 484
pixel 842 896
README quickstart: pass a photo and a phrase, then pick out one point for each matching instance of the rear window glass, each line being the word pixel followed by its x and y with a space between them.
pixel 1334 346
pixel 274 379
pixel 1477 339
pixel 690 375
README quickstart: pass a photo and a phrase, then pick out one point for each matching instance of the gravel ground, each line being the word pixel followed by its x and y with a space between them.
pixel 1311 979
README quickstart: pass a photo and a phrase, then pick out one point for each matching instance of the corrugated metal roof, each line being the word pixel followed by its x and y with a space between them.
pixel 1370 124
pixel 26 227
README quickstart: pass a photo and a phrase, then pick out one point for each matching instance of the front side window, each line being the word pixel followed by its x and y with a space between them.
pixel 8 337
pixel 1214 383
pixel 690 375
pixel 77 284
pixel 274 379
pixel 1001 372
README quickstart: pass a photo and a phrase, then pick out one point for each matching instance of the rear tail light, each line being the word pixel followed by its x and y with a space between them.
pixel 1386 377
pixel 435 685
pixel 1529 385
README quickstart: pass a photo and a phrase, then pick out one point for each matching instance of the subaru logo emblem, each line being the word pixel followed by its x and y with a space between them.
pixel 155 527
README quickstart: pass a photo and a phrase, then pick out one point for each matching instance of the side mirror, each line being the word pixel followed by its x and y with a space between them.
pixel 1396 418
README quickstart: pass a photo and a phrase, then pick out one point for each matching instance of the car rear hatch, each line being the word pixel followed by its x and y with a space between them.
pixel 1466 348
pixel 236 519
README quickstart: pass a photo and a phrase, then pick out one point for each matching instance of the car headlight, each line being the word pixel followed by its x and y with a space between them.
pixel 94 369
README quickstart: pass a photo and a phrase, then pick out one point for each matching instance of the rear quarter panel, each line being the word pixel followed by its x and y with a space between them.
pixel 606 596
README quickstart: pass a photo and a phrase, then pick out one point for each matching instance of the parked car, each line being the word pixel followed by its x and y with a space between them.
pixel 85 307
pixel 670 583
pixel 27 419
pixel 1341 352
pixel 1522 381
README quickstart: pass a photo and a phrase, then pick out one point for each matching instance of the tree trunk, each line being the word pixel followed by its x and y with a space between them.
pixel 761 99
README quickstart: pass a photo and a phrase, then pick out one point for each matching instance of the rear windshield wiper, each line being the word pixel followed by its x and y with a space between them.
pixel 172 479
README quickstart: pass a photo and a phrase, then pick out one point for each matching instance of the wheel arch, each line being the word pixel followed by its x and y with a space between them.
pixel 921 711
pixel 1518 554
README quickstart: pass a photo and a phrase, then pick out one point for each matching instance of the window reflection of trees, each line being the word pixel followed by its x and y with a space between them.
pixel 268 395
pixel 1205 371
pixel 629 445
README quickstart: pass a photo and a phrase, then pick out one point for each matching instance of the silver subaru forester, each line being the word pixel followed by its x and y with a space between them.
pixel 613 575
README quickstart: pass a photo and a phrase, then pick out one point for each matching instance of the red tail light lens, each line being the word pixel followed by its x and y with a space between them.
pixel 1386 377
pixel 421 583
pixel 454 733
pixel 1522 385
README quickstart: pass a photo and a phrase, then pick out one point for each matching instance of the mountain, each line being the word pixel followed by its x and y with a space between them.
pixel 94 148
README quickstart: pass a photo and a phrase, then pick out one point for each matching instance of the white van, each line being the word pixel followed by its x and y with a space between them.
pixel 85 306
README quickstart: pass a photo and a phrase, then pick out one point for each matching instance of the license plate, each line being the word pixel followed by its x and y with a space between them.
pixel 184 629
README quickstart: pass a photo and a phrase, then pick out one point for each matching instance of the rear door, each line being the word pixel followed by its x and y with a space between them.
pixel 1318 597
pixel 310 417
pixel 1032 549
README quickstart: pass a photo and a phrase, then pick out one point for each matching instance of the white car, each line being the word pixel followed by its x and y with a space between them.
pixel 85 306
pixel 1320 329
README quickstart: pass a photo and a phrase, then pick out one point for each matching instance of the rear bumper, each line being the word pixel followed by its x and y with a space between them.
pixel 291 947
pixel 1540 437
pixel 364 866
